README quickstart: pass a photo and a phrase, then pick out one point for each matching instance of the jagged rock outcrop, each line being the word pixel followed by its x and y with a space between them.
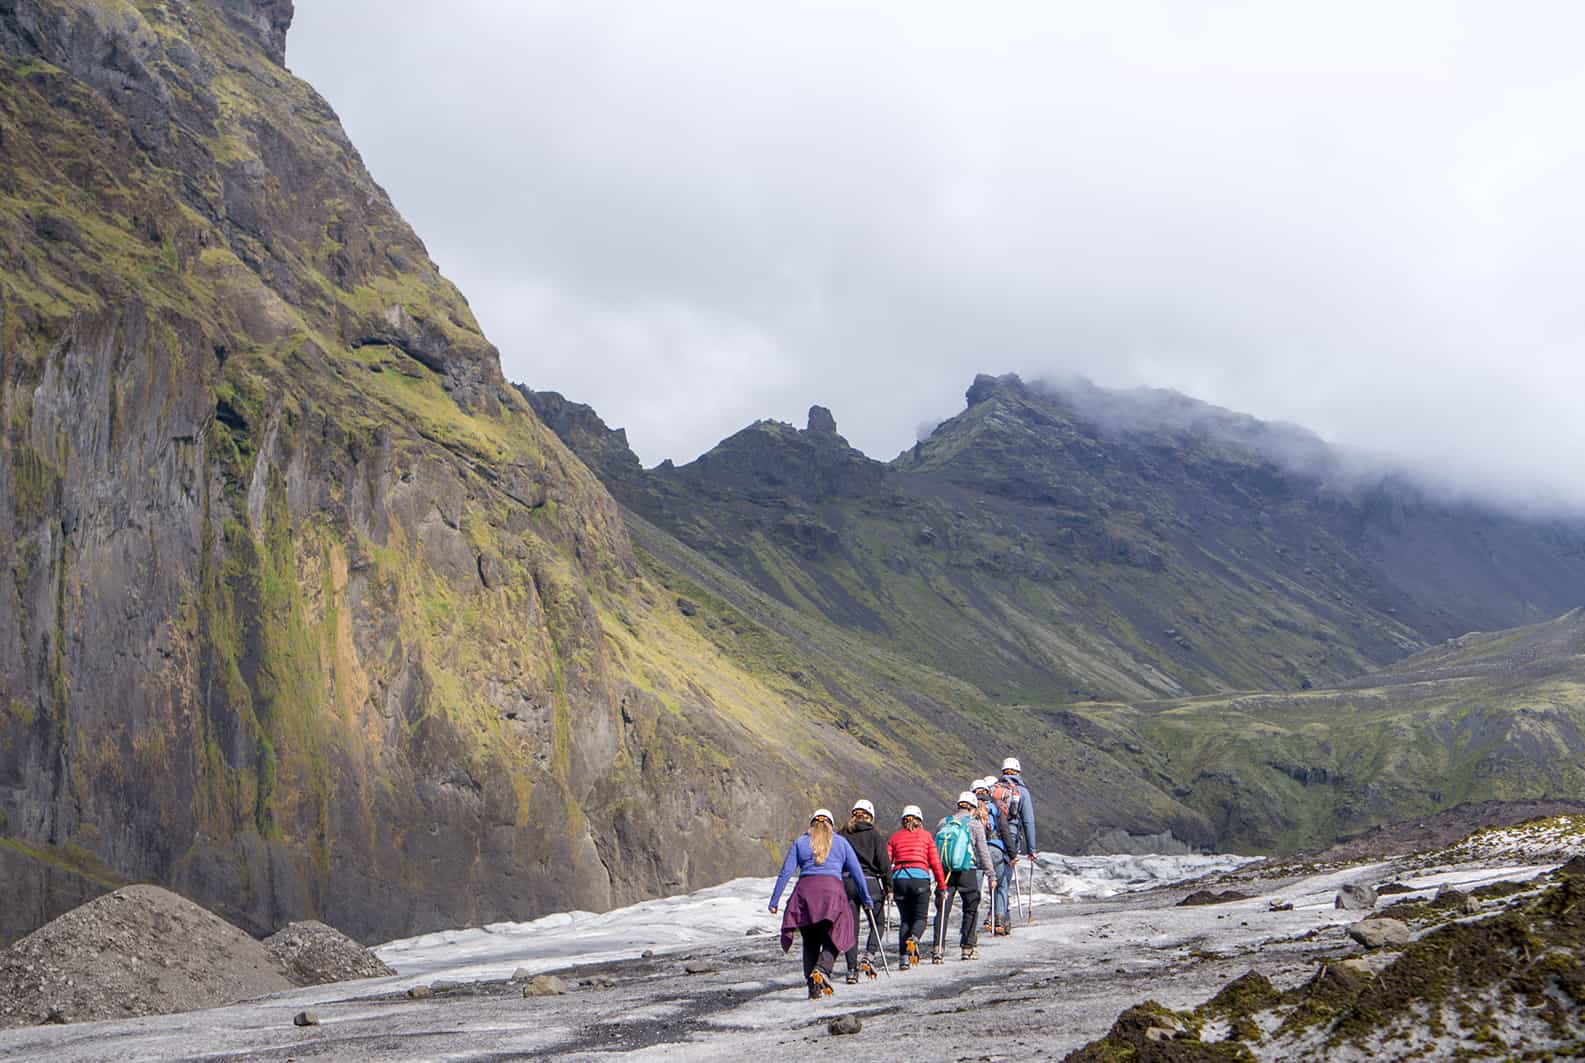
pixel 302 611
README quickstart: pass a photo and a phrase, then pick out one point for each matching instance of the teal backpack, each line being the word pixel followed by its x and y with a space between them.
pixel 956 844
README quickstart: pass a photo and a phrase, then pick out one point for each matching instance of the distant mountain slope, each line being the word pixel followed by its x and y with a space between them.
pixel 1052 545
pixel 1489 716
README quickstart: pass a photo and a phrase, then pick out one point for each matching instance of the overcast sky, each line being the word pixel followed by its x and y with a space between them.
pixel 1368 219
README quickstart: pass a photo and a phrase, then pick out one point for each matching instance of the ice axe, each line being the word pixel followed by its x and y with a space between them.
pixel 1029 899
pixel 880 942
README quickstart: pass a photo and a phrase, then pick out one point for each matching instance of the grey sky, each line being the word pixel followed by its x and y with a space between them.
pixel 1363 218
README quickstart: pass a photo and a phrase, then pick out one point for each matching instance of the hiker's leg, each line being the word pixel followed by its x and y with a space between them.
pixel 828 950
pixel 913 909
pixel 872 943
pixel 811 941
pixel 1004 883
pixel 969 897
pixel 852 955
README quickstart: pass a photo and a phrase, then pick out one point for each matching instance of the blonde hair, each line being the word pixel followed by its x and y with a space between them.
pixel 820 838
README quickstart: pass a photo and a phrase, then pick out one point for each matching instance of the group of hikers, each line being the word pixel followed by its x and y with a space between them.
pixel 855 869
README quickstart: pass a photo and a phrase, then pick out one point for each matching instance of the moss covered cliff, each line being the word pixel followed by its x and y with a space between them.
pixel 303 611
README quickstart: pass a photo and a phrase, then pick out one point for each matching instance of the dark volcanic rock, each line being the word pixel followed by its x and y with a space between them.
pixel 1199 897
pixel 845 1026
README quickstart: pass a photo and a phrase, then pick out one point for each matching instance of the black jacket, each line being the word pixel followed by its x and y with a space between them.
pixel 870 846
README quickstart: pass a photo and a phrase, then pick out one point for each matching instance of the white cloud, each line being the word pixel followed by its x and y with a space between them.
pixel 1364 218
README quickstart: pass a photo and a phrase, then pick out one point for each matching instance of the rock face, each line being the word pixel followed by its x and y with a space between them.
pixel 311 953
pixel 139 951
pixel 302 611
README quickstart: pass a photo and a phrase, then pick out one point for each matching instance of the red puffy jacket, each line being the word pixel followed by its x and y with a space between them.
pixel 916 848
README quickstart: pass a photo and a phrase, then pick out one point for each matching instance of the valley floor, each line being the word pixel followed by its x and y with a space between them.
pixel 1053 986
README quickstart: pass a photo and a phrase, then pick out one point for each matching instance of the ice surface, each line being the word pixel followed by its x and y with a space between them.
pixel 725 911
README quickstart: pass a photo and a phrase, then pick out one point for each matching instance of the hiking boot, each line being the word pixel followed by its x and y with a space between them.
pixel 987 928
pixel 935 955
pixel 853 978
pixel 867 965
pixel 1002 929
pixel 911 959
pixel 819 987
pixel 971 953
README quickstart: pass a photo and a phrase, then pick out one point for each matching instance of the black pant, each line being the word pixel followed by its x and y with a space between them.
pixel 861 923
pixel 818 949
pixel 913 909
pixel 967 885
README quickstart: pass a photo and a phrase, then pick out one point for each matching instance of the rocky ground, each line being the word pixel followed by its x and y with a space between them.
pixel 722 989
pixel 145 951
pixel 311 953
pixel 138 951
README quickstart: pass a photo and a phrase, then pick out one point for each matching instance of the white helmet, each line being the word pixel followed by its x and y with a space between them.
pixel 968 798
pixel 822 813
pixel 914 811
pixel 1011 765
pixel 863 805
pixel 982 784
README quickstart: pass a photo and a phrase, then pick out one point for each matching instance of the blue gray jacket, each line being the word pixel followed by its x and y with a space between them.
pixel 1024 821
pixel 801 858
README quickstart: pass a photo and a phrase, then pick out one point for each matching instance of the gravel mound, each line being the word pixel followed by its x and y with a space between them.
pixel 141 950
pixel 312 953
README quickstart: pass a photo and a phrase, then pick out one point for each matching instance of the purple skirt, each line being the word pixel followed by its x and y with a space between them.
pixel 819 899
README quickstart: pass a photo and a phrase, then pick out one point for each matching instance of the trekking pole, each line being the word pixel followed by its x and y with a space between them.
pixel 1030 900
pixel 880 942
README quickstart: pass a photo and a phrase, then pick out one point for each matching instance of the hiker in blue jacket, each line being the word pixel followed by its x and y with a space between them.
pixel 1024 815
pixel 1011 796
pixel 999 836
pixel 818 908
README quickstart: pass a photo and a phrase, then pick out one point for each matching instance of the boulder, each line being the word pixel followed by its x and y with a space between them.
pixel 1381 933
pixel 1452 897
pixel 700 967
pixel 544 985
pixel 1355 897
pixel 844 1025
pixel 1369 965
pixel 306 1018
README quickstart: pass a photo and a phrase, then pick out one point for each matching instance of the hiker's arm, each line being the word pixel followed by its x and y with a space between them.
pixel 935 864
pixel 851 865
pixel 788 865
pixel 982 851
